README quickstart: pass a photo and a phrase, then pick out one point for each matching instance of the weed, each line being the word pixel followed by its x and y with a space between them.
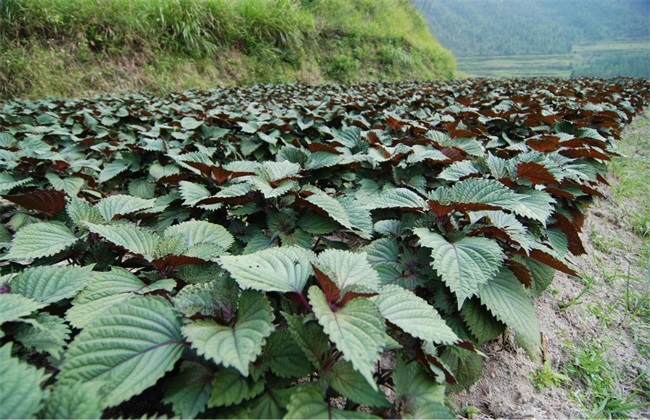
pixel 547 377
pixel 601 395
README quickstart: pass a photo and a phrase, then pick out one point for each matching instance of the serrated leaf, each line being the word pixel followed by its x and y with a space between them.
pixel 8 182
pixel 413 314
pixel 38 240
pixel 348 270
pixel 129 236
pixel 71 185
pixel 316 224
pixel 357 330
pixel 463 264
pixel 103 291
pixel 44 332
pixel 506 299
pixel 144 336
pixel 196 232
pixel 217 297
pixel 229 388
pixel 351 384
pixel 237 345
pixel 20 390
pixel 308 402
pixel 121 204
pixel 458 170
pixel 399 198
pixel 535 204
pixel 310 337
pixel 414 389
pixel 49 284
pixel 466 365
pixel 271 404
pixel 541 274
pixel 189 123
pixel 192 193
pixel 480 322
pixel 272 270
pixel 111 170
pixel 76 401
pixel 14 307
pixel 359 216
pixel 81 211
pixel 284 356
pixel 189 391
pixel 331 207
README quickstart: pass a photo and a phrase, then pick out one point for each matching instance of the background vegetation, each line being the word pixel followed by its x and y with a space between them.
pixel 515 36
pixel 73 47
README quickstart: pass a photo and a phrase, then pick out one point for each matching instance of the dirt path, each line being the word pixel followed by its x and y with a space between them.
pixel 585 335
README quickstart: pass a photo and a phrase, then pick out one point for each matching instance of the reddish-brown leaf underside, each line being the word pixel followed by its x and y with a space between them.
pixel 535 173
pixel 48 202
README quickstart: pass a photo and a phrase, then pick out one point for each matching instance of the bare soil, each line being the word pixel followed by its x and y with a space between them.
pixel 506 389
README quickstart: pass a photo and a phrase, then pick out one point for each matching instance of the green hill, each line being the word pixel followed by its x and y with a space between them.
pixel 77 47
pixel 518 27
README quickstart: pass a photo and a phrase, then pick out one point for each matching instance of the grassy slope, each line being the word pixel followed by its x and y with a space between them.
pixel 77 47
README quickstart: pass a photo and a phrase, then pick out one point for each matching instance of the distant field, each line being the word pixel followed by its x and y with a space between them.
pixel 604 59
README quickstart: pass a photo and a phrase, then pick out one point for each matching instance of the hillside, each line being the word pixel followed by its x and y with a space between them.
pixel 516 27
pixel 78 47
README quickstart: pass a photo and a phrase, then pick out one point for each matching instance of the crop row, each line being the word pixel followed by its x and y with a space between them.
pixel 236 241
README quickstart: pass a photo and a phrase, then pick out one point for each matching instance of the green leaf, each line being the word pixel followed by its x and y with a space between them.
pixel 138 240
pixel 75 401
pixel 351 384
pixel 458 170
pixel 44 332
pixel 466 365
pixel 190 123
pixel 8 182
pixel 20 390
pixel 229 388
pixel 197 232
pixel 480 322
pixel 310 337
pixel 142 188
pixel 81 211
pixel 308 402
pixel 217 297
pixel 14 307
pixel 413 314
pixel 71 185
pixel 414 389
pixel 49 284
pixel 237 345
pixel 463 264
pixel 332 207
pixel 316 224
pixel 535 204
pixel 357 330
pixel 192 193
pixel 271 404
pixel 144 338
pixel 399 198
pixel 103 291
pixel 121 204
pixel 189 391
pixel 506 299
pixel 541 274
pixel 283 269
pixel 112 170
pixel 348 270
pixel 38 240
pixel 284 356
